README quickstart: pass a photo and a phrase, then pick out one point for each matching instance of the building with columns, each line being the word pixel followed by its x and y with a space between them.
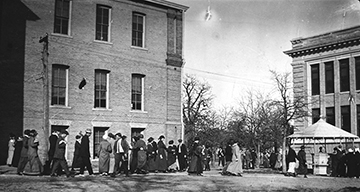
pixel 326 70
pixel 114 65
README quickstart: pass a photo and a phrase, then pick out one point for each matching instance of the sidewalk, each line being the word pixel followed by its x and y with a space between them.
pixel 5 169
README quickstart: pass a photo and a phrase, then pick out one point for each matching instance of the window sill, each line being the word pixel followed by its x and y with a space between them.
pixel 139 48
pixel 138 111
pixel 103 42
pixel 61 35
pixel 101 109
pixel 60 107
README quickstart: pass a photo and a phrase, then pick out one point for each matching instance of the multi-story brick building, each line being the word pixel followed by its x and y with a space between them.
pixel 129 53
pixel 326 69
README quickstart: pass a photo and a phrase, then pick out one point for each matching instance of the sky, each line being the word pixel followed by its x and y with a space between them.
pixel 235 50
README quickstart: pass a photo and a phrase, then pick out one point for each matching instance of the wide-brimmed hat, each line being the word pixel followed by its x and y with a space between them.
pixel 150 139
pixel 162 137
pixel 88 131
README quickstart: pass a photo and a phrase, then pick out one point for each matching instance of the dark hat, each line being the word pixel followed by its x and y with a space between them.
pixel 77 137
pixel 196 139
pixel 118 134
pixel 111 135
pixel 150 139
pixel 302 147
pixel 162 137
pixel 171 142
pixel 64 132
pixel 180 140
pixel 141 136
pixel 123 137
pixel 27 132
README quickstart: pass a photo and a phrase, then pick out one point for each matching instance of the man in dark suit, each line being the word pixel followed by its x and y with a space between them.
pixel 59 155
pixel 121 150
pixel 24 153
pixel 85 153
pixel 181 154
pixel 52 141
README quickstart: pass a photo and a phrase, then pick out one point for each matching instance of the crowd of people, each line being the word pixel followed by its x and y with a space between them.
pixel 345 163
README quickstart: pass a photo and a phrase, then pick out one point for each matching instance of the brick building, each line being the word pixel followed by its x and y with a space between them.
pixel 326 69
pixel 128 52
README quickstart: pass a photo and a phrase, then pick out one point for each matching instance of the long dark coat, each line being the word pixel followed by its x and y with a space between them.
pixel 351 164
pixel 52 141
pixel 60 149
pixel 161 159
pixel 171 155
pixel 17 153
pixel 76 163
pixel 85 148
pixel 196 159
pixel 151 156
pixel 302 162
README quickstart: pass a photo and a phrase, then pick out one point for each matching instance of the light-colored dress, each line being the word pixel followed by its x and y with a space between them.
pixel 11 151
pixel 104 156
pixel 235 167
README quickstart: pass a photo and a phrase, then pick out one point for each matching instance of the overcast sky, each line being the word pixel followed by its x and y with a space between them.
pixel 244 39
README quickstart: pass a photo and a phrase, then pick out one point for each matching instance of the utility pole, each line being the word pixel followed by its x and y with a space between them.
pixel 45 78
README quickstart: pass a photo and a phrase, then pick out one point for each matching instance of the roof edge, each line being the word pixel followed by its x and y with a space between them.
pixel 169 4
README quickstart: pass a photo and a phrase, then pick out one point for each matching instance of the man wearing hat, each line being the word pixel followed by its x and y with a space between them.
pixel 23 154
pixel 302 161
pixel 59 155
pixel 351 163
pixel 181 155
pixel 121 149
pixel 85 153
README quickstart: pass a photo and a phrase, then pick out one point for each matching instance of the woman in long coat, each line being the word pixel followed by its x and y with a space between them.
pixel 196 166
pixel 140 147
pixel 171 156
pixel 161 159
pixel 235 167
pixel 151 155
pixel 76 163
pixel 33 157
pixel 17 151
pixel 104 156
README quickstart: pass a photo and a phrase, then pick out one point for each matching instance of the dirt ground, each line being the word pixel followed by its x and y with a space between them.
pixel 254 180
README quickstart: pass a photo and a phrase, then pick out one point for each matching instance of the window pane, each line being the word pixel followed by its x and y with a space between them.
pixel 329 77
pixel 102 23
pixel 62 15
pixel 344 75
pixel 315 79
pixel 315 115
pixel 357 71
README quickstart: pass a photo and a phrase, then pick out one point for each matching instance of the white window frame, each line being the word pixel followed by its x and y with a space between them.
pixel 66 88
pixel 144 24
pixel 142 93
pixel 69 23
pixel 110 22
pixel 107 104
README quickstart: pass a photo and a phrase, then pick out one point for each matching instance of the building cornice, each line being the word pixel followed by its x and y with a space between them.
pixel 169 4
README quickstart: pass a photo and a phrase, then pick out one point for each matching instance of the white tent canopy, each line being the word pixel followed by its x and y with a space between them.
pixel 322 130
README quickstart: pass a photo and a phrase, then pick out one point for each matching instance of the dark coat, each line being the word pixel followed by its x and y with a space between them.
pixel 60 149
pixel 124 144
pixel 77 158
pixel 291 156
pixel 183 149
pixel 85 148
pixel 17 153
pixel 302 161
pixel 52 141
pixel 228 153
pixel 24 149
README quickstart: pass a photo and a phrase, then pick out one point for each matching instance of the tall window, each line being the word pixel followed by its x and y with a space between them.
pixel 315 115
pixel 329 77
pixel 62 17
pixel 101 88
pixel 344 75
pixel 138 29
pixel 315 79
pixel 59 85
pixel 103 17
pixel 330 115
pixel 137 92
pixel 98 134
pixel 345 118
pixel 357 71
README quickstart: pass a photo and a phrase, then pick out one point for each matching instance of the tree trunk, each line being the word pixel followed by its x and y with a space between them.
pixel 258 156
pixel 284 168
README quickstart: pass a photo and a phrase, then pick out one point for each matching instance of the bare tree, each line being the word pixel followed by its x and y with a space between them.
pixel 197 100
pixel 292 107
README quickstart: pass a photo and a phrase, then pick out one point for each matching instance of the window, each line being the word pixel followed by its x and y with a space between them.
pixel 345 118
pixel 344 75
pixel 315 115
pixel 103 17
pixel 101 88
pixel 62 17
pixel 137 92
pixel 138 29
pixel 357 71
pixel 330 115
pixel 98 134
pixel 175 34
pixel 59 85
pixel 315 79
pixel 329 77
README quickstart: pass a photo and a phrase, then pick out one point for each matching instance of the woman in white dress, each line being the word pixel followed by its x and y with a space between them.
pixel 235 167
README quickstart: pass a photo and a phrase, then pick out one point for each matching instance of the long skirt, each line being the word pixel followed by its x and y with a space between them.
pixel 151 163
pixel 112 163
pixel 10 157
pixel 104 164
pixel 141 159
pixel 235 167
pixel 195 165
pixel 292 166
pixel 76 163
pixel 161 162
pixel 35 166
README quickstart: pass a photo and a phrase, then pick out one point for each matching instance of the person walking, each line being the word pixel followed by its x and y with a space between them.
pixel 171 161
pixel 11 149
pixel 291 159
pixel 228 156
pixel 121 150
pixel 351 163
pixel 112 140
pixel 196 167
pixel 17 151
pixel 221 156
pixel 302 161
pixel 248 164
pixel 151 155
pixel 181 155
pixel 235 167
pixel 52 142
pixel 59 156
pixel 23 155
pixel 104 155
pixel 85 153
pixel 161 159
pixel 208 156
pixel 36 167
pixel 140 147
pixel 77 161
pixel 357 159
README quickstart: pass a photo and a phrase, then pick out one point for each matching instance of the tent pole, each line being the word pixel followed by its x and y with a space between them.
pixel 325 145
